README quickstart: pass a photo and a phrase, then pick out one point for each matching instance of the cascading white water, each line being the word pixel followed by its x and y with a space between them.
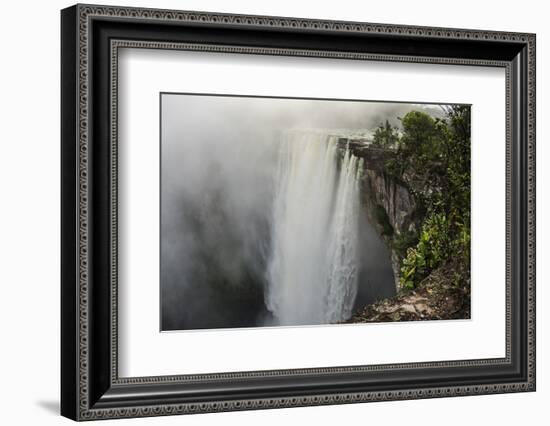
pixel 312 270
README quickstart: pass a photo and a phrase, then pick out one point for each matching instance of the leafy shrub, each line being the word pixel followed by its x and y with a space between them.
pixel 428 254
pixel 403 241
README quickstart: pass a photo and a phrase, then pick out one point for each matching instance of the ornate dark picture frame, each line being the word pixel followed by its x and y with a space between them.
pixel 90 38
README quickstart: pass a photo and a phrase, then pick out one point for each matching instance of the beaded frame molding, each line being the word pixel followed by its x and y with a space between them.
pixel 91 38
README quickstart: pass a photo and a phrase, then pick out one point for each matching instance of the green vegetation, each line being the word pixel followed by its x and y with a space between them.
pixel 386 136
pixel 429 252
pixel 432 157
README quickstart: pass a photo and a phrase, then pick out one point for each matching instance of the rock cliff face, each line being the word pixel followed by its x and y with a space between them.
pixel 395 198
pixel 391 206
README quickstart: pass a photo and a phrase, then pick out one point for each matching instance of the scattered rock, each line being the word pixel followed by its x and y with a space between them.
pixel 408 308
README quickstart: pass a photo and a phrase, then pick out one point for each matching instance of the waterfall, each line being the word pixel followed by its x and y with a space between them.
pixel 312 269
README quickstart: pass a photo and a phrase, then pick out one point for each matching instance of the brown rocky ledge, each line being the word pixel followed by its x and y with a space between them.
pixel 436 298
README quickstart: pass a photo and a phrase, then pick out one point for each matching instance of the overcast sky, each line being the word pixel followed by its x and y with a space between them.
pixel 236 112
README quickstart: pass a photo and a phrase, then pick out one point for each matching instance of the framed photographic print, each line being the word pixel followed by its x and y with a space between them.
pixel 263 212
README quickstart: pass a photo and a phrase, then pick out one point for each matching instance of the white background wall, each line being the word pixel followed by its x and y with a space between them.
pixel 29 212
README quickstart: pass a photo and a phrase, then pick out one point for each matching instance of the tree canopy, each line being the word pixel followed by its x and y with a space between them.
pixel 386 135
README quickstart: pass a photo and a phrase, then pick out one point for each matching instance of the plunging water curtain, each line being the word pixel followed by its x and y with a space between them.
pixel 313 266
